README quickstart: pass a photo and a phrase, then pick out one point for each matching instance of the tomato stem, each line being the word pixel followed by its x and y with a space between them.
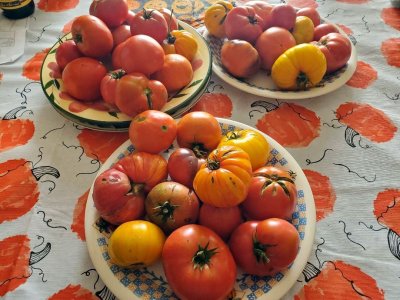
pixel 213 164
pixel 165 210
pixel 118 74
pixel 259 250
pixel 148 92
pixel 232 135
pixel 275 178
pixel 302 81
pixel 78 38
pixel 199 150
pixel 203 256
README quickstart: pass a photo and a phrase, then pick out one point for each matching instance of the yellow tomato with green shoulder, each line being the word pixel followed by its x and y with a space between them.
pixel 136 243
pixel 298 68
pixel 252 142
pixel 214 18
pixel 303 30
pixel 180 42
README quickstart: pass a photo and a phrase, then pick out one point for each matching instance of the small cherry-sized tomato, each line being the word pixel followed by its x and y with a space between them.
pixel 136 244
pixel 66 52
pixel 272 194
pixel 171 205
pixel 222 220
pixel 303 30
pixel 310 12
pixel 284 16
pixel 199 131
pixel 152 131
pixel 183 166
pixel 111 12
pixel 108 85
pixel 121 34
pixel 117 199
pixel 150 22
pixel 181 42
pixel 82 78
pixel 215 16
pixel 135 93
pixel 249 62
pixel 324 29
pixel 92 36
pixel 198 264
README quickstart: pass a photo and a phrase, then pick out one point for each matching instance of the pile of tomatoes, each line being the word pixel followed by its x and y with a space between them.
pixel 292 45
pixel 212 206
pixel 131 61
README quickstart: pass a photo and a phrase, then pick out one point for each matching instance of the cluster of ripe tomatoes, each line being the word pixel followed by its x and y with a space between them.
pixel 131 61
pixel 292 45
pixel 207 206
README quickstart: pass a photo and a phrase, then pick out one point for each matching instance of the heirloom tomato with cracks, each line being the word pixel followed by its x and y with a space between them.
pixel 198 264
pixel 150 22
pixel 108 85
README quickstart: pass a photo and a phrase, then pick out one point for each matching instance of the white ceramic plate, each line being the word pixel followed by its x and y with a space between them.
pixel 100 117
pixel 261 83
pixel 150 282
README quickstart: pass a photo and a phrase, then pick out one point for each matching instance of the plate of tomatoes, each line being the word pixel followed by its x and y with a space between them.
pixel 191 227
pixel 72 79
pixel 285 52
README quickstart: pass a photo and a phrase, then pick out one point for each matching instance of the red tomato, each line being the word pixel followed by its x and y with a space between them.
pixel 243 23
pixel 171 205
pixel 183 166
pixel 152 131
pixel 92 36
pixel 111 12
pixel 264 247
pixel 310 12
pixel 145 170
pixel 82 78
pixel 114 198
pixel 263 9
pixel 66 52
pixel 323 29
pixel 337 50
pixel 121 34
pixel 272 194
pixel 141 53
pixel 116 56
pixel 198 264
pixel 150 22
pixel 171 19
pixel 136 93
pixel 223 221
pixel 129 18
pixel 199 131
pixel 108 85
pixel 283 15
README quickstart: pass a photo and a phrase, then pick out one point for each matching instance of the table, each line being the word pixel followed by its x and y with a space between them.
pixel 348 150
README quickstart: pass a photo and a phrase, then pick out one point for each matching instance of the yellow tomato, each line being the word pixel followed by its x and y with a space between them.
pixel 136 243
pixel 252 142
pixel 181 42
pixel 303 31
pixel 298 68
pixel 214 18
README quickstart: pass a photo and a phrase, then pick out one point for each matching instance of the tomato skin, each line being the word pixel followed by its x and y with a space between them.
pixel 92 36
pixel 135 93
pixel 67 52
pixel 135 244
pixel 199 131
pixel 224 179
pixel 144 169
pixel 263 9
pixel 310 12
pixel 112 12
pixel 108 85
pixel 140 53
pixel 171 205
pixel 213 281
pixel 171 19
pixel 82 78
pixel 267 198
pixel 323 29
pixel 150 22
pixel 121 34
pixel 283 15
pixel 152 131
pixel 183 166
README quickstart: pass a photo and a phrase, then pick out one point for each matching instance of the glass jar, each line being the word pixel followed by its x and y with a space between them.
pixel 17 9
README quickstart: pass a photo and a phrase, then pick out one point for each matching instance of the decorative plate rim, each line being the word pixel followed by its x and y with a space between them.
pixel 278 290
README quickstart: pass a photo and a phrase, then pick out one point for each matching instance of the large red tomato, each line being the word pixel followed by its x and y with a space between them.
pixel 92 36
pixel 272 194
pixel 108 85
pixel 323 29
pixel 111 12
pixel 82 78
pixel 264 247
pixel 135 93
pixel 198 264
pixel 150 22
pixel 284 16
pixel 152 131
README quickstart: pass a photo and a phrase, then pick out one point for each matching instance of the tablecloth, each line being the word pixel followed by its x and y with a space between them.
pixel 347 143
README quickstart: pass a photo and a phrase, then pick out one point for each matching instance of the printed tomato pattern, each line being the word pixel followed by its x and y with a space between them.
pixel 31 68
pixel 57 5
pixel 78 221
pixel 363 77
pixel 391 16
pixel 390 50
pixel 74 292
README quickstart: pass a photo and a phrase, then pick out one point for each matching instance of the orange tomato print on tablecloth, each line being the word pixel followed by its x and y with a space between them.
pixel 391 51
pixel 57 5
pixel 324 194
pixel 368 121
pixel 391 17
pixel 31 69
pixel 303 3
pixel 353 1
pixel 339 280
pixel 100 145
pixel 299 125
pixel 78 220
pixel 14 262
pixel 363 77
pixel 217 104
pixel 73 292
pixel 387 209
